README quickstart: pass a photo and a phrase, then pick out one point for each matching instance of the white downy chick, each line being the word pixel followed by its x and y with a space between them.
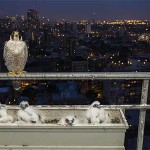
pixel 4 117
pixel 104 116
pixel 107 118
pixel 93 113
pixel 35 117
pixel 23 116
pixel 28 113
pixel 3 111
pixel 69 120
pixel 96 114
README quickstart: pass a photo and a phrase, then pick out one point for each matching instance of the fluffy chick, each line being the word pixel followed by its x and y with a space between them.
pixel 96 114
pixel 29 114
pixel 69 120
pixel 93 113
pixel 4 117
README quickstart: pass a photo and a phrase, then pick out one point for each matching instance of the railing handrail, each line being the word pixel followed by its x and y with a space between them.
pixel 77 76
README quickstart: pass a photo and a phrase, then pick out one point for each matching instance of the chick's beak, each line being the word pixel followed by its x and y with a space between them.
pixel 16 35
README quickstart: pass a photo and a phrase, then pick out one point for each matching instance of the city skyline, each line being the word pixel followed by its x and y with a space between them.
pixel 76 10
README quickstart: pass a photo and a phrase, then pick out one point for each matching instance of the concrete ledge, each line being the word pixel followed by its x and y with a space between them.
pixel 57 137
pixel 62 148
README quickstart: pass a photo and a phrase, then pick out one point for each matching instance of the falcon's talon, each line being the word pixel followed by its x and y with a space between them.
pixel 17 72
pixel 21 72
pixel 13 73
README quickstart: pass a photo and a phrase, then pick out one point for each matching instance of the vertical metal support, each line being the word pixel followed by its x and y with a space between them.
pixel 124 110
pixel 142 115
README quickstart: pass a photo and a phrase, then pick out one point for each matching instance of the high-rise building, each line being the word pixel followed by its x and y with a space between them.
pixel 74 27
pixel 33 19
pixel 79 64
pixel 88 28
pixel 67 27
pixel 70 44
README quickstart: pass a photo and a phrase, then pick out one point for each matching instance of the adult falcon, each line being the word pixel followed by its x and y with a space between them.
pixel 15 55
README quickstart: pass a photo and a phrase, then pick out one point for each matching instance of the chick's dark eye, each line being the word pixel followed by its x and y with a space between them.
pixel 67 120
pixel 95 105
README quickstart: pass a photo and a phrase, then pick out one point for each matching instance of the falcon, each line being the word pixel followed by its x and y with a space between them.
pixel 15 55
pixel 69 120
pixel 96 114
pixel 28 114
pixel 4 117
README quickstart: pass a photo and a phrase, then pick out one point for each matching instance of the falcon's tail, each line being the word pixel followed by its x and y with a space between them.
pixel 16 85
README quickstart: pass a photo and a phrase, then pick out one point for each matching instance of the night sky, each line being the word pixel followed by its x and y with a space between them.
pixel 79 9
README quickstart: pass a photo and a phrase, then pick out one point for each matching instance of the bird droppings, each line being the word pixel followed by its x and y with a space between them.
pixel 53 121
pixel 115 120
pixel 24 145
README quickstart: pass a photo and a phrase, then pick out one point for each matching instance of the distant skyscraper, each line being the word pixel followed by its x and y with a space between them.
pixel 93 20
pixel 67 26
pixel 74 27
pixel 79 65
pixel 70 44
pixel 33 19
pixel 88 28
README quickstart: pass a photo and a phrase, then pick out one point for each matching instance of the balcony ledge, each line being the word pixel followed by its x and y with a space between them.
pixel 56 137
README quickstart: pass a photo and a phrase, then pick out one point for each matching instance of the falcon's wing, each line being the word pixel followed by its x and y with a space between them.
pixel 5 51
pixel 25 53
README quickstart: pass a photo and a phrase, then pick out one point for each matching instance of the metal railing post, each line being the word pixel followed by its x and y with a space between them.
pixel 142 115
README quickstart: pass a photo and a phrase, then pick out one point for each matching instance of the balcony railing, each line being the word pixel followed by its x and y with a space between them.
pixel 145 76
